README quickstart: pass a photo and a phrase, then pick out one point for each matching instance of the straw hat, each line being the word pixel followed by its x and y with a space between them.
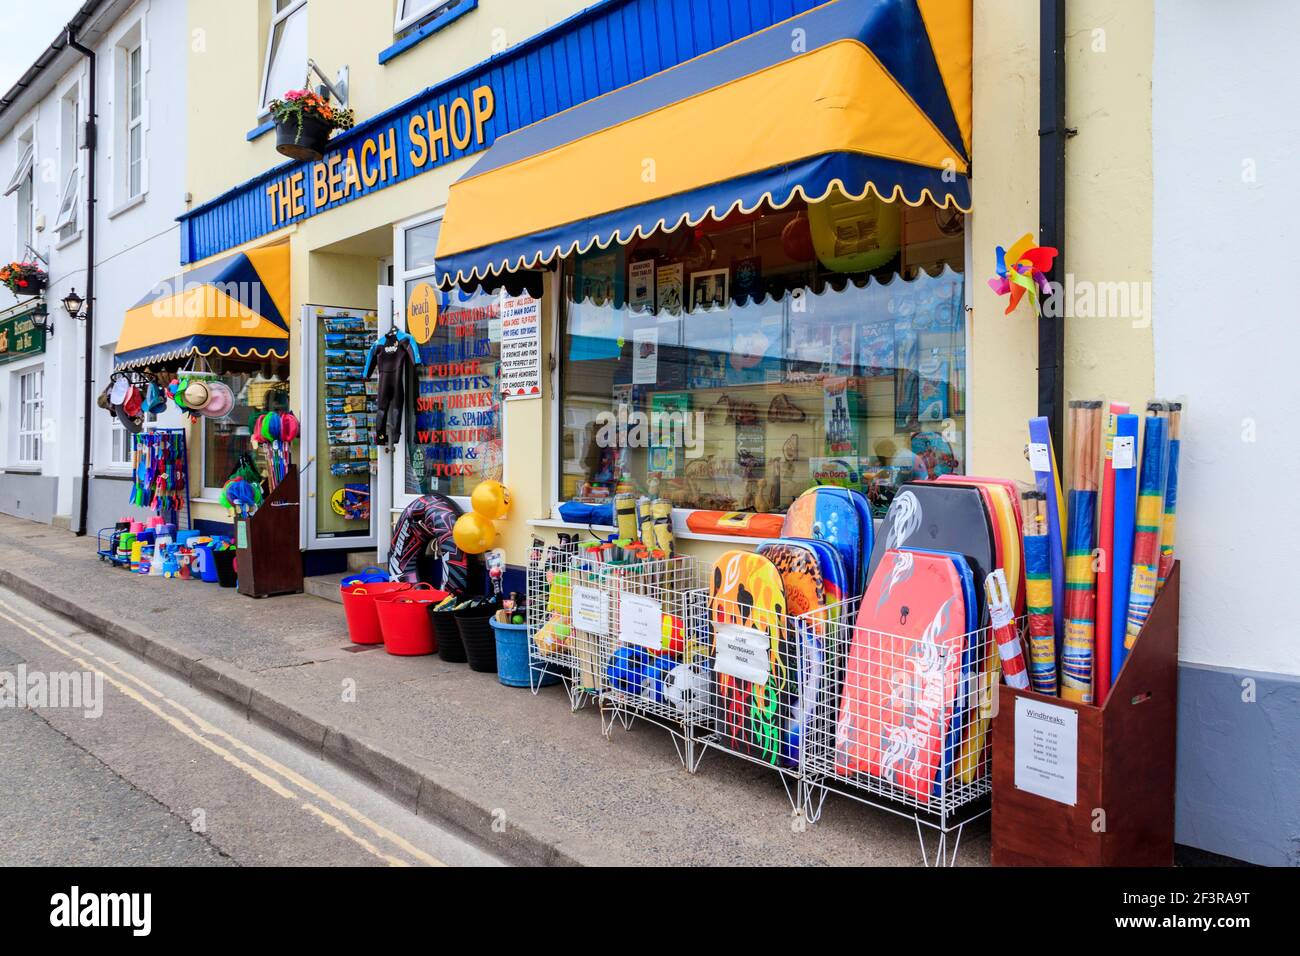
pixel 196 395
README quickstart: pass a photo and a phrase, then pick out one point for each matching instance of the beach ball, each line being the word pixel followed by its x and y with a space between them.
pixel 473 533
pixel 490 499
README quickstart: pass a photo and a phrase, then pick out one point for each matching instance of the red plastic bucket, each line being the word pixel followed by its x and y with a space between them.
pixel 359 609
pixel 404 621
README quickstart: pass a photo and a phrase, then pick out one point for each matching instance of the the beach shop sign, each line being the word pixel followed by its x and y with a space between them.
pixel 427 137
pixel 588 55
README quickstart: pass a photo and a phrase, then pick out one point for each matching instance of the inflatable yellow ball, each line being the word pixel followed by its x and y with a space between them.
pixel 473 533
pixel 490 499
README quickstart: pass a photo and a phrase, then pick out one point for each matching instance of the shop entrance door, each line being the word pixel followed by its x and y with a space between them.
pixel 340 459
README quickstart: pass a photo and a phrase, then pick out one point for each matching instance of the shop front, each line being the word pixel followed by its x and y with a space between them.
pixel 747 303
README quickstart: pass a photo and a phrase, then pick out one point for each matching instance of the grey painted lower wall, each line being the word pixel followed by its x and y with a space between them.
pixel 109 500
pixel 1239 764
pixel 29 496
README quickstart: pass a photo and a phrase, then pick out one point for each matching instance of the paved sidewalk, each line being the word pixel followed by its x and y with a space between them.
pixel 519 773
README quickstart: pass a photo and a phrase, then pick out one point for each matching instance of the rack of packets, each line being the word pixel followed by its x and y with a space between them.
pixel 351 402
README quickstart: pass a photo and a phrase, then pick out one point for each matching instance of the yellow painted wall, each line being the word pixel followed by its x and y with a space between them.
pixel 1108 211
pixel 228 48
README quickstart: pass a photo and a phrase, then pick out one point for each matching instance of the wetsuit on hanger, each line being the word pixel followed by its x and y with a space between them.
pixel 395 356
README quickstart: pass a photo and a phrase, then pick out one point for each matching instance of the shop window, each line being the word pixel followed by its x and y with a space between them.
pixel 31 416
pixel 456 438
pixel 286 51
pixel 258 387
pixel 732 366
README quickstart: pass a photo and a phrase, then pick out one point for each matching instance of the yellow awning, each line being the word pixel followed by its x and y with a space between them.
pixel 855 96
pixel 237 306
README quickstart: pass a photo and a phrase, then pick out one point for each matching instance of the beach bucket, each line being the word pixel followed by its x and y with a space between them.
pixel 450 647
pixel 513 668
pixel 225 567
pixel 359 609
pixel 367 575
pixel 478 637
pixel 404 620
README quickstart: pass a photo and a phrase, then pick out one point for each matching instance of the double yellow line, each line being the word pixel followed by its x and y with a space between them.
pixel 336 813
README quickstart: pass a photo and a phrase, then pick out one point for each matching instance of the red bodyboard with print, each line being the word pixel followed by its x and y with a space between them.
pixel 902 673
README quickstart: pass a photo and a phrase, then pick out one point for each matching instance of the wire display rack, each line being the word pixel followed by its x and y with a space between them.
pixel 762 672
pixel 631 633
pixel 903 724
pixel 549 607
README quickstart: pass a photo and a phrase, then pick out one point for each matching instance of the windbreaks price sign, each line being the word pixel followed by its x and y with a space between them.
pixel 521 348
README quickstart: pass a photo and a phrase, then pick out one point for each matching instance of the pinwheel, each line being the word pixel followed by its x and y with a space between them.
pixel 1023 268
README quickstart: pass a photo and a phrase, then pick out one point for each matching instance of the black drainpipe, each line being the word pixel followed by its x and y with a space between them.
pixel 1052 134
pixel 88 403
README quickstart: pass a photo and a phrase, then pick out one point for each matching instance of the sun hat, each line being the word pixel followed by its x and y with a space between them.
pixel 220 400
pixel 196 396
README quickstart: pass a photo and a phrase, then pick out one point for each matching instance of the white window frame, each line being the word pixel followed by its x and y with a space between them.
pixel 401 276
pixel 23 183
pixel 26 160
pixel 264 102
pixel 130 35
pixel 133 112
pixel 67 219
pixel 424 8
pixel 30 418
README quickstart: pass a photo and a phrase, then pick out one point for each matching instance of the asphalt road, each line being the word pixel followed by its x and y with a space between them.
pixel 135 768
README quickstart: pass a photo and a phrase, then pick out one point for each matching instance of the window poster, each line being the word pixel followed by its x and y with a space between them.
pixel 876 349
pixel 456 440
pixel 521 347
pixel 598 279
pixel 668 289
pixel 756 347
pixel 748 278
pixel 709 289
pixel 641 286
pixel 645 355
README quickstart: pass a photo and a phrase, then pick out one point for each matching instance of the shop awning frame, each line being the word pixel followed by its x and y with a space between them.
pixel 860 96
pixel 236 307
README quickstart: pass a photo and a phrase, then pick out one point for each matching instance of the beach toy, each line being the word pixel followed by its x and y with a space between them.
pixel 490 499
pixel 686 689
pixel 1004 630
pixel 1023 268
pixel 473 533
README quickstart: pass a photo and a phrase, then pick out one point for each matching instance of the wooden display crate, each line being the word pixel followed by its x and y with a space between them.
pixel 1124 811
pixel 269 553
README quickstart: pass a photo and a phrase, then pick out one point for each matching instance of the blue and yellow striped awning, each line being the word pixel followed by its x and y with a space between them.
pixel 235 307
pixel 855 95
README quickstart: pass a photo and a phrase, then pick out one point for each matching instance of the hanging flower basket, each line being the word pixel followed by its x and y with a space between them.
pixel 24 278
pixel 304 121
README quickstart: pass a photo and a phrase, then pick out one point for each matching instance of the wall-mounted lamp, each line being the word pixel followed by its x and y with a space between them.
pixel 74 305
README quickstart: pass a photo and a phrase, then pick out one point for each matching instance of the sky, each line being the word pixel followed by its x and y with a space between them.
pixel 26 29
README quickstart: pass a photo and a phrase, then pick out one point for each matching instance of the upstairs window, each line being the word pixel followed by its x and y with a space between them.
pixel 411 12
pixel 286 50
pixel 21 183
pixel 66 219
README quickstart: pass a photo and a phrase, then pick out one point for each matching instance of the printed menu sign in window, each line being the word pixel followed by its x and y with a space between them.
pixel 456 441
pixel 521 348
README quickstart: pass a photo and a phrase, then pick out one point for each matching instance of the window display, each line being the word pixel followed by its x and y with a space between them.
pixel 731 366
pixel 257 387
pixel 456 439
